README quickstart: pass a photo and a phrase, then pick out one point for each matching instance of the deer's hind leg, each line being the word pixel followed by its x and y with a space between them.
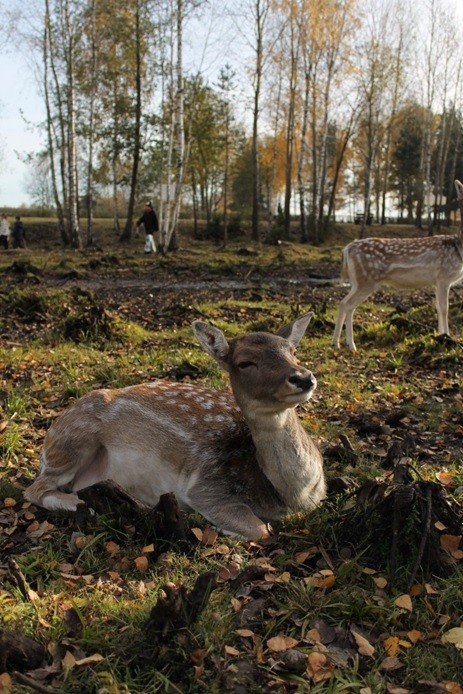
pixel 53 489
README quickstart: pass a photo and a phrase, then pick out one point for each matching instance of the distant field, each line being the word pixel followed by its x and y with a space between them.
pixel 44 232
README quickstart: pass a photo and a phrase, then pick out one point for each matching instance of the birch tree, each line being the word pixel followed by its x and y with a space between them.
pixel 174 166
pixel 60 36
pixel 226 86
pixel 376 67
pixel 260 13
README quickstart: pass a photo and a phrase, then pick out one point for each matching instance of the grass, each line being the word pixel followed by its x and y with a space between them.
pixel 89 569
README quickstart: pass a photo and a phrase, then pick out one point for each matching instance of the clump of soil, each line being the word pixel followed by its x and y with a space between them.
pixel 88 320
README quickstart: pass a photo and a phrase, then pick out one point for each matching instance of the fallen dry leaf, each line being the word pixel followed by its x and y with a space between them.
pixel 197 656
pixel 6 683
pixel 89 660
pixel 198 533
pixel 281 643
pixel 391 663
pixel 198 671
pixel 68 662
pixel 319 667
pixel 285 577
pixel 363 645
pixel 236 604
pixel 454 636
pixel 414 635
pixel 445 478
pixel 142 563
pixel 147 549
pixel 209 536
pixel 300 557
pixel 230 650
pixel 319 581
pixel 430 590
pixel 451 544
pixel 404 602
pixel 380 582
pixel 217 549
pixel 416 589
pixel 391 645
pixel 112 548
pixel 313 635
pixel 453 687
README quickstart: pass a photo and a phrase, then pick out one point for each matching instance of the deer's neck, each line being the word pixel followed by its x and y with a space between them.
pixel 286 454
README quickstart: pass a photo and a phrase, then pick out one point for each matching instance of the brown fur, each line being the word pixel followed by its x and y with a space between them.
pixel 241 461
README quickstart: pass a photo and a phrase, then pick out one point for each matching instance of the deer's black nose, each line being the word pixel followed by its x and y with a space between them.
pixel 306 382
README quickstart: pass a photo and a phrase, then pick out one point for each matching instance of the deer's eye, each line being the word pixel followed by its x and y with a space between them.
pixel 246 364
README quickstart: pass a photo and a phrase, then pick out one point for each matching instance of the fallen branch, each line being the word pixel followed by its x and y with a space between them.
pixel 29 682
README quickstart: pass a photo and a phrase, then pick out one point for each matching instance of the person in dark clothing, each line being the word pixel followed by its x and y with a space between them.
pixel 149 220
pixel 18 234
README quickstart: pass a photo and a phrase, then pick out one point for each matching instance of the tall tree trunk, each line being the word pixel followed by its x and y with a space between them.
pixel 261 8
pixel 176 144
pixel 115 158
pixel 303 156
pixel 127 233
pixel 91 133
pixel 294 54
pixel 72 141
pixel 50 138
pixel 271 180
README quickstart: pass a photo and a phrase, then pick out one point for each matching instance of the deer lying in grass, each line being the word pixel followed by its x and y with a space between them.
pixel 240 462
pixel 408 263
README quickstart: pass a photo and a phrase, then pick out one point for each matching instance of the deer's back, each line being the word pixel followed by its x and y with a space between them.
pixel 406 262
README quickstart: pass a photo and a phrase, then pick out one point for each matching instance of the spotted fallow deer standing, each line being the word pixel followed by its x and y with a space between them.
pixel 241 462
pixel 408 263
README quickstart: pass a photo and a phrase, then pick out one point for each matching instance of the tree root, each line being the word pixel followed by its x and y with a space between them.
pixel 180 608
pixel 395 525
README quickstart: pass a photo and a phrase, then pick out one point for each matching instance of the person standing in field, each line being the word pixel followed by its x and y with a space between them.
pixel 149 220
pixel 4 232
pixel 19 234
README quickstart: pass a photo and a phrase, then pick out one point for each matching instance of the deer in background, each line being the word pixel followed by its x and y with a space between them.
pixel 241 462
pixel 407 263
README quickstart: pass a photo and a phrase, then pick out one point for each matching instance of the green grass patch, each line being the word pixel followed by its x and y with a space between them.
pixel 128 321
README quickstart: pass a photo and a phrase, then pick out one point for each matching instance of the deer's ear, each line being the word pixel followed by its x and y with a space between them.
pixel 294 332
pixel 212 340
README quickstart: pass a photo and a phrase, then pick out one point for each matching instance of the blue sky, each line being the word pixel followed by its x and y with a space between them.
pixel 19 94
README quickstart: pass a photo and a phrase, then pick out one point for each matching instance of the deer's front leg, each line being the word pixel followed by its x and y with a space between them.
pixel 232 517
pixel 442 302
